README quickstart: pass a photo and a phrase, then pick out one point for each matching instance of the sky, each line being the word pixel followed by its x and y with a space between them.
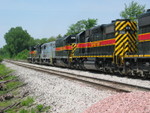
pixel 46 18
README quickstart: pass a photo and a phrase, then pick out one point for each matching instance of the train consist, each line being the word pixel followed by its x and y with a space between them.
pixel 110 48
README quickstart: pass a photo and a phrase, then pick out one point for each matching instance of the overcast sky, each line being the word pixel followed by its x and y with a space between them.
pixel 45 18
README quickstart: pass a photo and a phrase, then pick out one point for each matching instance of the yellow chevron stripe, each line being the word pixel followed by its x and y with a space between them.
pixel 121 23
pixel 119 51
pixel 119 39
pixel 133 25
pixel 118 22
pixel 116 33
pixel 118 47
pixel 133 42
pixel 123 27
pixel 133 37
pixel 131 49
pixel 127 24
pixel 127 50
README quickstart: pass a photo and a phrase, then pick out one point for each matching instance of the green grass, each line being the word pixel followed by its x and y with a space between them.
pixel 13 84
pixel 27 102
pixel 5 103
pixel 9 86
pixel 24 111
pixel 4 70
pixel 12 77
pixel 26 105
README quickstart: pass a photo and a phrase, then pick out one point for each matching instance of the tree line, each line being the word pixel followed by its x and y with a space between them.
pixel 19 40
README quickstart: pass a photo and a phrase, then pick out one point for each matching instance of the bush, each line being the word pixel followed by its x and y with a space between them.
pixel 22 55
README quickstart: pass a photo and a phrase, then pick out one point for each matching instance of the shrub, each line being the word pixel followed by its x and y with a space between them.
pixel 22 55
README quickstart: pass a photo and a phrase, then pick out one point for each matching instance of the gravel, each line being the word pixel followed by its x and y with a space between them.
pixel 63 95
pixel 144 83
pixel 135 102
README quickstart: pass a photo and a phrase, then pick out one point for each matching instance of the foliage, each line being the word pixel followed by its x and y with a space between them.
pixel 81 26
pixel 25 105
pixel 52 38
pixel 17 40
pixel 24 111
pixel 132 11
pixel 22 55
pixel 39 107
pixel 59 36
pixel 4 53
pixel 1 59
pixel 44 40
pixel 27 102
pixel 13 84
pixel 4 70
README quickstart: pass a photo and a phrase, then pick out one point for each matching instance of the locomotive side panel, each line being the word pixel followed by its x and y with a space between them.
pixel 48 53
pixel 144 33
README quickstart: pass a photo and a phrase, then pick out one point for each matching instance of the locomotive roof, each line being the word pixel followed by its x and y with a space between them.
pixel 68 37
pixel 48 43
pixel 147 13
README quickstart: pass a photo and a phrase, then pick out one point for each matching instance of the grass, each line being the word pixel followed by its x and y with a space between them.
pixel 4 70
pixel 23 111
pixel 9 78
pixel 39 107
pixel 10 85
pixel 27 105
pixel 27 102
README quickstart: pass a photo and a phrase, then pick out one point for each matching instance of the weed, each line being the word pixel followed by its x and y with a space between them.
pixel 26 105
pixel 23 111
pixel 39 107
pixel 33 110
pixel 4 70
pixel 12 84
pixel 9 78
pixel 27 102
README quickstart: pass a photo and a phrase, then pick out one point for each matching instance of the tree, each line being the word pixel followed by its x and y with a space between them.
pixel 59 36
pixel 81 26
pixel 4 52
pixel 17 40
pixel 132 11
pixel 52 38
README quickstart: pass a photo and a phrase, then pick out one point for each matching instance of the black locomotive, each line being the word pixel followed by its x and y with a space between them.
pixel 111 48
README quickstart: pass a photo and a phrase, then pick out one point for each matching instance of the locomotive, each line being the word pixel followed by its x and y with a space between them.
pixel 110 48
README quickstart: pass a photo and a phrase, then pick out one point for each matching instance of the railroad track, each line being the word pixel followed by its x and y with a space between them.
pixel 118 86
